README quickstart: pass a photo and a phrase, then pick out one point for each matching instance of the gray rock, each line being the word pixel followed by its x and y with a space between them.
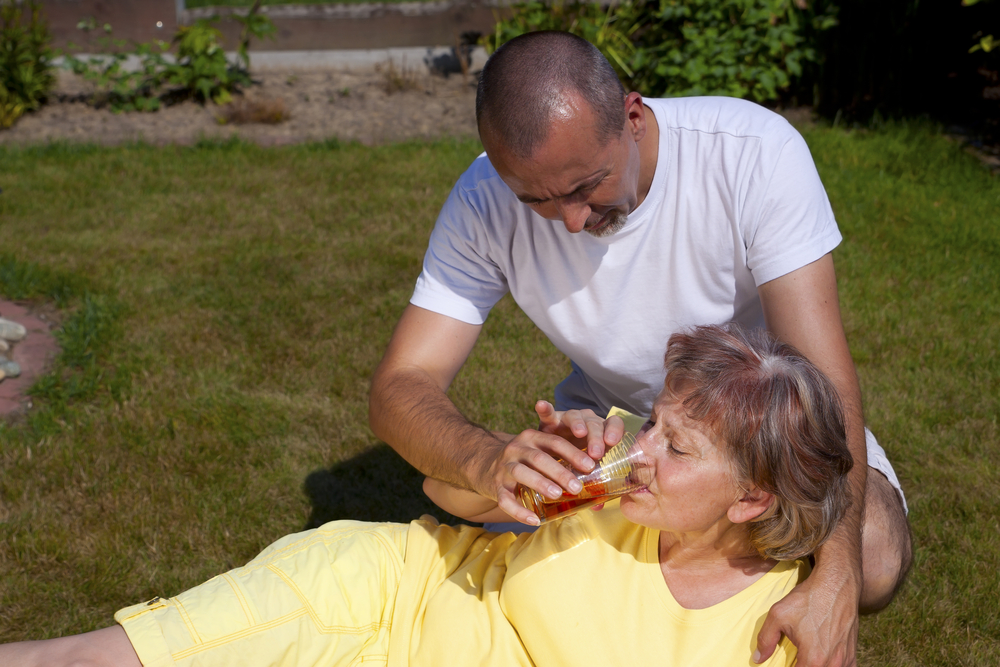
pixel 9 368
pixel 11 330
pixel 4 345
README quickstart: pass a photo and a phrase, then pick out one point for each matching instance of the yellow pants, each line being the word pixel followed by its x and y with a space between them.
pixel 322 597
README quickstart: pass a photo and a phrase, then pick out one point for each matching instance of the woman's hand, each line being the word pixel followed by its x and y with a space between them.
pixel 463 503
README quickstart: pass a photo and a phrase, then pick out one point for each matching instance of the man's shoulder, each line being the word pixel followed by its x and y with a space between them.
pixel 481 174
pixel 719 115
pixel 481 200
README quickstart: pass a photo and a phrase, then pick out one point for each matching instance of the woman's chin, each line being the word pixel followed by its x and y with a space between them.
pixel 631 503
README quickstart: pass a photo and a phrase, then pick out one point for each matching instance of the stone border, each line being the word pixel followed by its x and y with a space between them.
pixel 34 354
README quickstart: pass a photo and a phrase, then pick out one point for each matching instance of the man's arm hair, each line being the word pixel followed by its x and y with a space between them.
pixel 409 409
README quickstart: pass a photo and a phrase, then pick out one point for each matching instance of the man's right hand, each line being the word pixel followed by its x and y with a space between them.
pixel 576 437
pixel 410 410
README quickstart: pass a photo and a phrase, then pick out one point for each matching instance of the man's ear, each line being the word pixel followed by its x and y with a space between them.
pixel 635 114
pixel 749 505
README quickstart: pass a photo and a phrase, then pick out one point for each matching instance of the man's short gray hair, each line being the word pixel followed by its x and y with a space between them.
pixel 526 80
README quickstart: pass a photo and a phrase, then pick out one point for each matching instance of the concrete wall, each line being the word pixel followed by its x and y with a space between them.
pixel 300 27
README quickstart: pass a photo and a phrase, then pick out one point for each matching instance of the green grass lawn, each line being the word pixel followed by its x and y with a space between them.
pixel 223 307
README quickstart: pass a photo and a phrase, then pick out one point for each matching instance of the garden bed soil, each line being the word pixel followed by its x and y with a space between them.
pixel 369 106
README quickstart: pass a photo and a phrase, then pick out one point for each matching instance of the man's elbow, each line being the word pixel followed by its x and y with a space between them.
pixel 376 403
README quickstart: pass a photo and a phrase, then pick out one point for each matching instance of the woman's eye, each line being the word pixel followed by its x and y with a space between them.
pixel 674 450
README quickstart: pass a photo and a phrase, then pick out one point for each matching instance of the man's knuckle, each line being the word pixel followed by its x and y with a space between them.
pixel 535 457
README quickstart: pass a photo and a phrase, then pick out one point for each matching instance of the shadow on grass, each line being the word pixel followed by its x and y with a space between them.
pixel 377 485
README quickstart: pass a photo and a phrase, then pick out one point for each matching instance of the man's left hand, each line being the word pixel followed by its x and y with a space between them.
pixel 819 616
pixel 583 428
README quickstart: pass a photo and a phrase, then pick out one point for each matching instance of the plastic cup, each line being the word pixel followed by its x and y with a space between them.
pixel 623 469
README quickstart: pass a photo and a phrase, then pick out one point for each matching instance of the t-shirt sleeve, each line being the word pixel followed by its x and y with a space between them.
pixel 788 221
pixel 460 276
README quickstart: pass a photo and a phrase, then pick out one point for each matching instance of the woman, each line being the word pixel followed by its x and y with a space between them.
pixel 748 444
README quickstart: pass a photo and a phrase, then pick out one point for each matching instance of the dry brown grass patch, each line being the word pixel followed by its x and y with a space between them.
pixel 398 80
pixel 246 110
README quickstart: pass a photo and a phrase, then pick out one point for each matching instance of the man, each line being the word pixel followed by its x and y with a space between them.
pixel 695 211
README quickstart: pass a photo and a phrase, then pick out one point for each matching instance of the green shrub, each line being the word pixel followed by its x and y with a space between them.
pixel 117 85
pixel 25 60
pixel 742 48
pixel 200 69
pixel 607 28
pixel 983 42
pixel 667 48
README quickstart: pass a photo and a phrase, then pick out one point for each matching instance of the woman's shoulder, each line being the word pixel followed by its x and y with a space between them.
pixel 588 536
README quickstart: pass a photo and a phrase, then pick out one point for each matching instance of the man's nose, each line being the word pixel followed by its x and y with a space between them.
pixel 574 215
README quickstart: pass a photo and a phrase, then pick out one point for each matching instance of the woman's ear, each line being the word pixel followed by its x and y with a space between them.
pixel 749 505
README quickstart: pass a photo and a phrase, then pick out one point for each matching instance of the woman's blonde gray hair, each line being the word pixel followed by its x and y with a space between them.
pixel 783 425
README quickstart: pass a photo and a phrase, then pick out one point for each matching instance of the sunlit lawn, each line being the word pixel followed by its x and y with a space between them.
pixel 224 306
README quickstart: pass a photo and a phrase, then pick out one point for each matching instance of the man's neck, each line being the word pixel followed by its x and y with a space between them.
pixel 649 148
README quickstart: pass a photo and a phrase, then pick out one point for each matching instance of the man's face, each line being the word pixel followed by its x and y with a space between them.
pixel 571 177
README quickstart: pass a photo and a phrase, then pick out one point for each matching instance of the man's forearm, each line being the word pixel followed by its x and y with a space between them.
pixel 417 419
pixel 843 548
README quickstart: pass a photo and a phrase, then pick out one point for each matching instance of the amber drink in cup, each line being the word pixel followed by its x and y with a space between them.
pixel 623 469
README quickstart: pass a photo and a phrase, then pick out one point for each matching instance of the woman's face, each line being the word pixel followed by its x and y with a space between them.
pixel 693 487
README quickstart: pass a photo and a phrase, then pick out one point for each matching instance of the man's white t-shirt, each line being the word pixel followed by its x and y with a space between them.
pixel 735 202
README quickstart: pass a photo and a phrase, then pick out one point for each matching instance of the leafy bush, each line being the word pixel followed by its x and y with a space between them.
pixel 25 60
pixel 607 28
pixel 665 48
pixel 119 85
pixel 984 42
pixel 199 70
pixel 201 67
pixel 743 48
